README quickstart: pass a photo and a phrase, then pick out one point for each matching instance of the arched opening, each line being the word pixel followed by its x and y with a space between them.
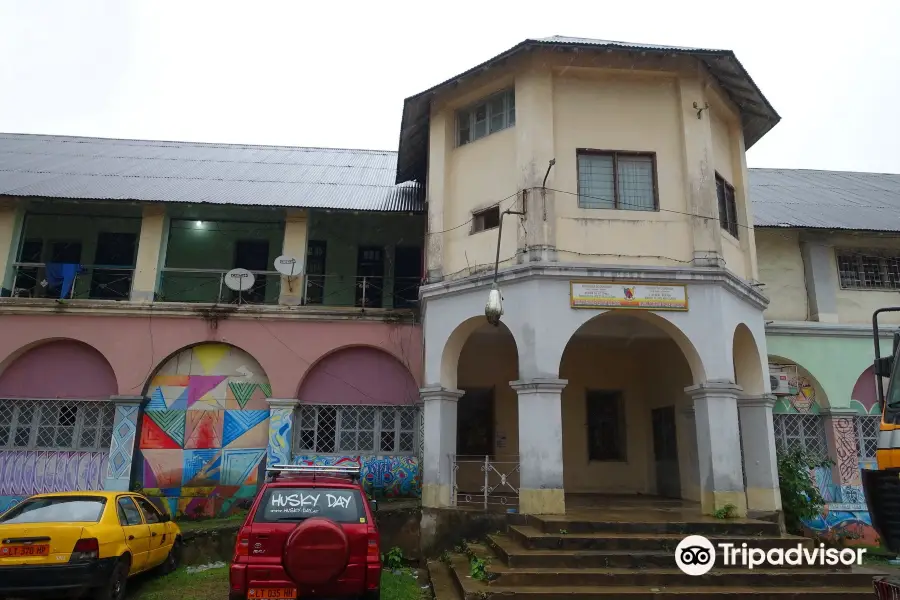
pixel 204 432
pixel 748 371
pixel 487 413
pixel 622 428
pixel 359 405
pixel 56 420
pixel 59 369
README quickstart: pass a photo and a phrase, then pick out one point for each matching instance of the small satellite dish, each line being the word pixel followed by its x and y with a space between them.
pixel 288 266
pixel 239 280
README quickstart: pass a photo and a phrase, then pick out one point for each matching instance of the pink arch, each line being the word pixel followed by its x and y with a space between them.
pixel 358 375
pixel 865 391
pixel 59 369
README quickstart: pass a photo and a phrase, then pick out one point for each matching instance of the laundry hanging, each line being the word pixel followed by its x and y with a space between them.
pixel 62 276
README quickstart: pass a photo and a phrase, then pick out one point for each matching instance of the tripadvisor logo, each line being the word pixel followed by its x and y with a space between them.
pixel 696 555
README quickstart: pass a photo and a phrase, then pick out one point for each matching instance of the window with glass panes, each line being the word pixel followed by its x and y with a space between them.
pixel 325 429
pixel 493 114
pixel 617 180
pixel 728 218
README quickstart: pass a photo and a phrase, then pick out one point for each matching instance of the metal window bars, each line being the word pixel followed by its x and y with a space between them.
pixel 867 428
pixel 340 429
pixel 68 425
pixel 498 481
pixel 803 431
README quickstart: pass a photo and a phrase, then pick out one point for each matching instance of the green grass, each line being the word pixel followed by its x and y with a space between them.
pixel 194 524
pixel 213 585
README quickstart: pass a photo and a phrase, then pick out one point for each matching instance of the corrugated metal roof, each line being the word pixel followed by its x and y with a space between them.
pixel 279 176
pixel 757 115
pixel 825 199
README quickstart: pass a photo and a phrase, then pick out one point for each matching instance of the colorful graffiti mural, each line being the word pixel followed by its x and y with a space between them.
pixel 205 431
pixel 382 476
pixel 27 472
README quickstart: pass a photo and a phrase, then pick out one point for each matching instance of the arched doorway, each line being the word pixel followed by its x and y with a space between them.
pixel 487 418
pixel 56 420
pixel 622 430
pixel 360 405
pixel 204 433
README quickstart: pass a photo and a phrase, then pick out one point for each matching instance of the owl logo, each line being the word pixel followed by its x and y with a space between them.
pixel 629 293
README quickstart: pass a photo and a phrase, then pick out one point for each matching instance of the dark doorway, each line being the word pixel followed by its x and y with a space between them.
pixel 369 276
pixel 665 452
pixel 113 250
pixel 475 423
pixel 316 253
pixel 252 255
pixel 407 276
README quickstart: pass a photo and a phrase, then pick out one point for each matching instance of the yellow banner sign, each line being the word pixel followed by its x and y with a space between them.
pixel 591 294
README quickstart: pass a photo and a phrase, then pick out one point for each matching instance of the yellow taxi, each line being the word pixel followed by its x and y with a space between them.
pixel 77 543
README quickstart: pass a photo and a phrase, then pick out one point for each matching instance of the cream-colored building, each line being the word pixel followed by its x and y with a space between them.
pixel 633 336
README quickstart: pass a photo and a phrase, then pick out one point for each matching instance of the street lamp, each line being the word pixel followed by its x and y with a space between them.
pixel 493 310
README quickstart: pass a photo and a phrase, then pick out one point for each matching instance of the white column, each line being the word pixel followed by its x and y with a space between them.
pixel 296 234
pixel 718 448
pixel 541 488
pixel 687 444
pixel 760 459
pixel 151 253
pixel 440 444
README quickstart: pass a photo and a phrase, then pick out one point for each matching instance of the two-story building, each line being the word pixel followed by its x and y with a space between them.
pixel 172 313
pixel 828 247
pixel 632 346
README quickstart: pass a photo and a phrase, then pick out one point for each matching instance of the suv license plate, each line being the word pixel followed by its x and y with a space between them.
pixel 272 593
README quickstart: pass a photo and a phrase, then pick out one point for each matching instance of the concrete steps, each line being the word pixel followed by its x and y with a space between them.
pixel 560 558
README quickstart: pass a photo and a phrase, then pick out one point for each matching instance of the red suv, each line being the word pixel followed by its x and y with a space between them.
pixel 310 534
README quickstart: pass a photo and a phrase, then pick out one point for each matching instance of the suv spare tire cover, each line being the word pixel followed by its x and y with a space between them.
pixel 316 552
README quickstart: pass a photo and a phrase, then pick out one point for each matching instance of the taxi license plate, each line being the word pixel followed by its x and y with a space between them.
pixel 35 550
pixel 272 593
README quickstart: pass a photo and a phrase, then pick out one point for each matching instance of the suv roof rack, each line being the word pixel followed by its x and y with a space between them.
pixel 352 472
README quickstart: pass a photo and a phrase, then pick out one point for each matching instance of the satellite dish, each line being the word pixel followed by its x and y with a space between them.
pixel 239 280
pixel 288 266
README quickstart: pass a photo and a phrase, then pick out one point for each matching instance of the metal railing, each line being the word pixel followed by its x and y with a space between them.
pixel 363 291
pixel 208 286
pixel 496 479
pixel 72 282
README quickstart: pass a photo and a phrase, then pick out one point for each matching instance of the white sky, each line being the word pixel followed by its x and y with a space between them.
pixel 335 73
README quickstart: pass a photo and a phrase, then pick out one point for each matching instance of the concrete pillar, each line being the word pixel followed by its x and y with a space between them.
pixel 441 140
pixel 701 175
pixel 760 458
pixel 281 425
pixel 541 489
pixel 151 253
pixel 121 445
pixel 718 448
pixel 440 444
pixel 534 151
pixel 741 185
pixel 843 448
pixel 821 280
pixel 12 216
pixel 687 445
pixel 296 234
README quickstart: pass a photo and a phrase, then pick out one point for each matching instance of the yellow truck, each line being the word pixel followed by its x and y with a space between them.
pixel 882 485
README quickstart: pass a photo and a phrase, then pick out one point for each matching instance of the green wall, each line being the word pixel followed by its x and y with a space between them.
pixel 835 362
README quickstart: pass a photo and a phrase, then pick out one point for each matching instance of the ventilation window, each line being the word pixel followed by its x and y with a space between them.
pixel 486 219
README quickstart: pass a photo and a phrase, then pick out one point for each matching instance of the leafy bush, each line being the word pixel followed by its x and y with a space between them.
pixel 800 496
pixel 393 560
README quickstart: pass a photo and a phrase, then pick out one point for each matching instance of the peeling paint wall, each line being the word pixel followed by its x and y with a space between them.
pixel 781 270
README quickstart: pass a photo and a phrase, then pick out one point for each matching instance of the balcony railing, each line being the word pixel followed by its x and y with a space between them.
pixel 95 282
pixel 362 291
pixel 208 286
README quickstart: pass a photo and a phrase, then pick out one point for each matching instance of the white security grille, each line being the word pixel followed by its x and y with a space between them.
pixel 357 429
pixel 75 425
pixel 806 432
pixel 867 433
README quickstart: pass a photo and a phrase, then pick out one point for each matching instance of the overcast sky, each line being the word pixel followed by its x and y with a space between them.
pixel 335 73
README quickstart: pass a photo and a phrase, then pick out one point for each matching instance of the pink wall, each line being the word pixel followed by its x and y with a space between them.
pixel 59 369
pixel 360 375
pixel 135 346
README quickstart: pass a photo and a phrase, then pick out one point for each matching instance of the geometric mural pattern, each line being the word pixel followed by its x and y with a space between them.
pixel 204 432
pixel 121 448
